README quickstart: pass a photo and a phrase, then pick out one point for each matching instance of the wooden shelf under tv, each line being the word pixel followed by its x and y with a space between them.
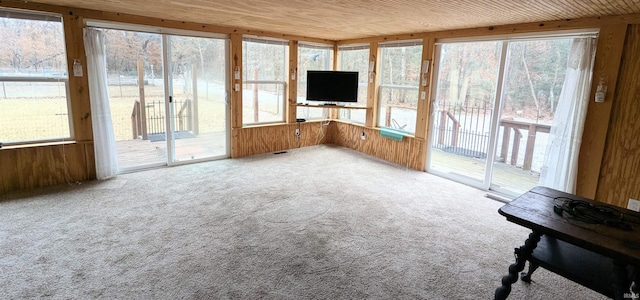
pixel 331 106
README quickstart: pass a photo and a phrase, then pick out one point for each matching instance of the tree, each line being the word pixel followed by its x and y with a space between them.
pixel 32 46
pixel 401 70
pixel 468 73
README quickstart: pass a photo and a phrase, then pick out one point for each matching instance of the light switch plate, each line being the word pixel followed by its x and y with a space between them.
pixel 633 205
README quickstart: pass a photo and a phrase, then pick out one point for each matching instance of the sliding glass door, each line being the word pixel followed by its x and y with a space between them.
pixel 533 83
pixel 136 97
pixel 198 110
pixel 167 95
pixel 464 104
pixel 507 115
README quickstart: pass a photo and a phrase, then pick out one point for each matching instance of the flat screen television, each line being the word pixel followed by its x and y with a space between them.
pixel 334 86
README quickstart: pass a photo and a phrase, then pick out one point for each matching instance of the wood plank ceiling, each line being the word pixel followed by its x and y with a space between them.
pixel 350 19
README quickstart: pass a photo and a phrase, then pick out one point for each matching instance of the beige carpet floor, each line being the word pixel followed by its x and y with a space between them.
pixel 321 222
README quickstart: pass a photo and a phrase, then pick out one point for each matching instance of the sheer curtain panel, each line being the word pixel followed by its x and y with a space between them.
pixel 103 136
pixel 561 160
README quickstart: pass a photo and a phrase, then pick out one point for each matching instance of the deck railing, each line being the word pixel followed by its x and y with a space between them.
pixel 516 126
pixel 156 117
pixel 137 122
pixel 184 120
pixel 464 130
pixel 399 104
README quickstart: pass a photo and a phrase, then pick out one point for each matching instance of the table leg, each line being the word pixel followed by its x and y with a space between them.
pixel 526 277
pixel 522 254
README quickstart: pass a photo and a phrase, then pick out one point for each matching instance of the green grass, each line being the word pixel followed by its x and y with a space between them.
pixel 37 111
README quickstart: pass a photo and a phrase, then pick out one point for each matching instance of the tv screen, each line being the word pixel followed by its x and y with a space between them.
pixel 337 86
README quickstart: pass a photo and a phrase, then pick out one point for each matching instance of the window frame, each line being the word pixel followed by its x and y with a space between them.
pixel 19 14
pixel 305 112
pixel 283 83
pixel 381 84
pixel 348 112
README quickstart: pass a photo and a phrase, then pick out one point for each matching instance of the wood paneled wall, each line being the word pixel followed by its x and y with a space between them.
pixel 271 138
pixel 33 167
pixel 607 66
pixel 410 152
pixel 619 178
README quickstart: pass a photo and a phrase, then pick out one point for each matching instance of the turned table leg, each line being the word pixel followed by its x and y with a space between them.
pixel 522 254
pixel 526 277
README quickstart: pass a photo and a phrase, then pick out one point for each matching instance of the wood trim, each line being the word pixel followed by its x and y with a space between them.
pixel 236 66
pixel 333 113
pixel 336 57
pixel 79 102
pixel 90 156
pixel 533 27
pixel 607 65
pixel 291 109
pixel 422 119
pixel 382 39
pixel 372 89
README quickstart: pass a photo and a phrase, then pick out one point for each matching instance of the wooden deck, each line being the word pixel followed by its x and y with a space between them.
pixel 506 176
pixel 140 153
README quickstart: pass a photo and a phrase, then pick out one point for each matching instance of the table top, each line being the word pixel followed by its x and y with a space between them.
pixel 535 210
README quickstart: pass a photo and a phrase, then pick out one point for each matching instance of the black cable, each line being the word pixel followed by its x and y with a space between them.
pixel 586 212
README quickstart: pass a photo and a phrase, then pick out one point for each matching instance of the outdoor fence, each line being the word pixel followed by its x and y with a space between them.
pixel 398 106
pixel 532 130
pixel 464 130
pixel 264 100
pixel 153 119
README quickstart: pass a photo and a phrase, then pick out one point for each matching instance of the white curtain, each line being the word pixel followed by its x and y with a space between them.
pixel 103 138
pixel 560 167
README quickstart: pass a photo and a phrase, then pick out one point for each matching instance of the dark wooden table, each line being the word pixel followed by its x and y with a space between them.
pixel 604 257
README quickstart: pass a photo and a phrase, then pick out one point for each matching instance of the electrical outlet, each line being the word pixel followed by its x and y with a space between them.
pixel 633 205
pixel 363 136
pixel 297 132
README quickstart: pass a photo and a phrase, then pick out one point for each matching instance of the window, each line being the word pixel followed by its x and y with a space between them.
pixel 264 74
pixel 356 58
pixel 312 57
pixel 33 73
pixel 398 90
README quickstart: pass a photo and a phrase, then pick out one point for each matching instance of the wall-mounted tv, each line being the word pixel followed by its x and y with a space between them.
pixel 334 86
